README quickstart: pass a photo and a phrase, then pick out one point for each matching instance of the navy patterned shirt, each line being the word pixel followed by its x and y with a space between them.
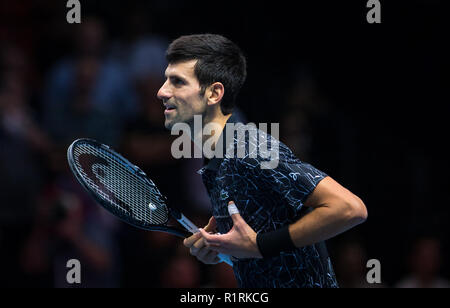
pixel 267 199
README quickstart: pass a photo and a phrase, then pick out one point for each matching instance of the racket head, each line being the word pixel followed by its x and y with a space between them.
pixel 119 186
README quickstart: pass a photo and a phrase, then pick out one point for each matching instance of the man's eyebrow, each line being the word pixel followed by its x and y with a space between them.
pixel 174 75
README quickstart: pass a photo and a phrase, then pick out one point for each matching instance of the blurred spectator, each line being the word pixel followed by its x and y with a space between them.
pixel 304 107
pixel 221 276
pixel 181 272
pixel 23 146
pixel 18 118
pixel 88 94
pixel 318 130
pixel 12 27
pixel 69 225
pixel 351 267
pixel 20 142
pixel 140 50
pixel 424 261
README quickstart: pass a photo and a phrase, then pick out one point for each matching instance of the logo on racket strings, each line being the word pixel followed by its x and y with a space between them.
pixel 95 169
pixel 152 206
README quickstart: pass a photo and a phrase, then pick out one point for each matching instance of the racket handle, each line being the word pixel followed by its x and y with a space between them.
pixel 190 226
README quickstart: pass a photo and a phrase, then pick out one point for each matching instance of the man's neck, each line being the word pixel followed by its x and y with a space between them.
pixel 210 130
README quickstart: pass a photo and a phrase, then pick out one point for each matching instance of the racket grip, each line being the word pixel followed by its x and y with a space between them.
pixel 226 259
pixel 191 227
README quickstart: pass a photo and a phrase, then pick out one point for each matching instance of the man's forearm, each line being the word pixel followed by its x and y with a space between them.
pixel 323 223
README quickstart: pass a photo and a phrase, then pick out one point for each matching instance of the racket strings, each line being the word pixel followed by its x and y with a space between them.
pixel 142 200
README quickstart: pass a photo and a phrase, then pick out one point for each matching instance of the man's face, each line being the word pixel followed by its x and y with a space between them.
pixel 180 94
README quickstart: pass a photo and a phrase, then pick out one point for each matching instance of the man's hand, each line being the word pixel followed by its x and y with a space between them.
pixel 198 247
pixel 239 242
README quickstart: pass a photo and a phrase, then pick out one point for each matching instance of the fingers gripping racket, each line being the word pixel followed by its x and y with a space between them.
pixel 125 190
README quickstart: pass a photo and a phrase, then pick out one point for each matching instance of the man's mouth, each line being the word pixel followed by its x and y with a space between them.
pixel 169 109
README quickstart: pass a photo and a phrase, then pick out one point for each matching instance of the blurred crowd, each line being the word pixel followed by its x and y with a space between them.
pixel 104 88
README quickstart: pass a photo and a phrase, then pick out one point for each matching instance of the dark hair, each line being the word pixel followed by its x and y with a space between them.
pixel 218 60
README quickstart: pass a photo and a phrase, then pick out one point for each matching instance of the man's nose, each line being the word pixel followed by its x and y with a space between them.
pixel 163 92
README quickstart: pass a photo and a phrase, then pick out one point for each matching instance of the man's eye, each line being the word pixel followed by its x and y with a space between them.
pixel 177 81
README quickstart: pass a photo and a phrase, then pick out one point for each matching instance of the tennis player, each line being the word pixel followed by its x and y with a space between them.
pixel 272 221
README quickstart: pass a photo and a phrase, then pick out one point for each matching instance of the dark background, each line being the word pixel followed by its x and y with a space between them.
pixel 368 103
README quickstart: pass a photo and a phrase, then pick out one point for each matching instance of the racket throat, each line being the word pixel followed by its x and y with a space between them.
pixel 184 221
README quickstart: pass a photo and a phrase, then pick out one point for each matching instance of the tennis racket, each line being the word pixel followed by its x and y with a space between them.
pixel 125 190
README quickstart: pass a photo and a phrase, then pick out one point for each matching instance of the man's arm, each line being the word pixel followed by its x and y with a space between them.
pixel 336 210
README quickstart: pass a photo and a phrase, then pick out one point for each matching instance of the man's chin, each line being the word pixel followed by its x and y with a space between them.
pixel 168 125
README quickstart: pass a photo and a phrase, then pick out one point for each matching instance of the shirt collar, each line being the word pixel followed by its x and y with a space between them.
pixel 214 163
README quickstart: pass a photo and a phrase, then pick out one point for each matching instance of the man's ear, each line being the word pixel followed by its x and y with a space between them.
pixel 215 93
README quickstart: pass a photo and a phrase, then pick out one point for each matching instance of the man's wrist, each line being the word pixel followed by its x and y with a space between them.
pixel 271 244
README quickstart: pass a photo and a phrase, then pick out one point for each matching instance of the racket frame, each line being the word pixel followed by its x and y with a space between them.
pixel 183 220
pixel 105 204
